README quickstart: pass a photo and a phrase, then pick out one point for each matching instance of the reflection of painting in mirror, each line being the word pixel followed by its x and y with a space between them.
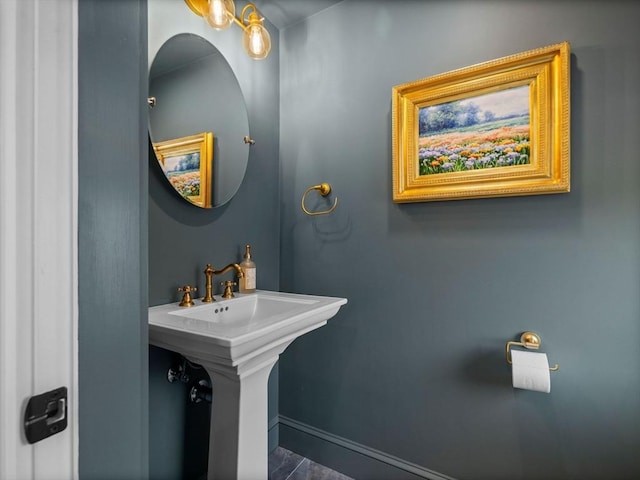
pixel 187 164
pixel 183 172
pixel 484 131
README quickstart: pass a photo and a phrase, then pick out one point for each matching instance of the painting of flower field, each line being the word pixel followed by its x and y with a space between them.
pixel 183 171
pixel 484 131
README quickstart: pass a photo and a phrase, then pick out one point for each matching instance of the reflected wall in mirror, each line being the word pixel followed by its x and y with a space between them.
pixel 196 91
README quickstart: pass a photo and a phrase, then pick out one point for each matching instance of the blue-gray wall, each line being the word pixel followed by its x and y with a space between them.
pixel 112 237
pixel 184 238
pixel 413 366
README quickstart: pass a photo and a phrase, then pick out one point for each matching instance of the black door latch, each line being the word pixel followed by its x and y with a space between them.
pixel 46 415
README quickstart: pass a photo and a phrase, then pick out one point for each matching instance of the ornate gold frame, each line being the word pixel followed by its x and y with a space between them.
pixel 546 72
pixel 202 143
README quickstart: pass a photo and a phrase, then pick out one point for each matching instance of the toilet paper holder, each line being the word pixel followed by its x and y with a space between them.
pixel 529 340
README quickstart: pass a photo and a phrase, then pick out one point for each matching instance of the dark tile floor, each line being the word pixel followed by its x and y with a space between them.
pixel 286 465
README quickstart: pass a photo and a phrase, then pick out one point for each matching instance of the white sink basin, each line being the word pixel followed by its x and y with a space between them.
pixel 234 331
pixel 238 341
pixel 237 320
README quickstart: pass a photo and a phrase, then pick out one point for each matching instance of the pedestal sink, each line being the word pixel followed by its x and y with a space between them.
pixel 238 341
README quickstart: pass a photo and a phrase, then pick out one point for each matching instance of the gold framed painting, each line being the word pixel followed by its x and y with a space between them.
pixel 496 129
pixel 187 162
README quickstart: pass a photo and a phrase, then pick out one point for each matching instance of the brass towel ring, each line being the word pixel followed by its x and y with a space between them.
pixel 324 189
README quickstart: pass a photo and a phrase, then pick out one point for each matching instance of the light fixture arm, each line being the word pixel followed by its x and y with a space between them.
pixel 252 17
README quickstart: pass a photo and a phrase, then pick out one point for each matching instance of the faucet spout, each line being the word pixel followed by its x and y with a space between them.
pixel 224 270
pixel 210 272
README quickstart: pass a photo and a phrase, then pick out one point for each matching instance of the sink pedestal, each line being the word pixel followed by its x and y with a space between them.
pixel 238 446
pixel 238 341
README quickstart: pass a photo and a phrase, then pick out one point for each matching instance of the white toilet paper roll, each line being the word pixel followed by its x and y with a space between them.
pixel 531 371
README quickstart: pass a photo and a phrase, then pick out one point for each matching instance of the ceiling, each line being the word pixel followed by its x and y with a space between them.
pixel 283 13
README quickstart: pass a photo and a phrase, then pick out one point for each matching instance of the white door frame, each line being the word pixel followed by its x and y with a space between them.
pixel 38 229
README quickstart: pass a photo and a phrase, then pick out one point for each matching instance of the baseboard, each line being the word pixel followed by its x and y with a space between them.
pixel 348 457
pixel 273 433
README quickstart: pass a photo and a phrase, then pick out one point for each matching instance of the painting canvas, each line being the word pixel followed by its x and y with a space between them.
pixel 496 129
pixel 484 131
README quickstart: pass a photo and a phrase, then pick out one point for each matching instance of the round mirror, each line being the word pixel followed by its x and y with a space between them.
pixel 198 120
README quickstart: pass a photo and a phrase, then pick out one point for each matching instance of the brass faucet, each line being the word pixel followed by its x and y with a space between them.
pixel 209 272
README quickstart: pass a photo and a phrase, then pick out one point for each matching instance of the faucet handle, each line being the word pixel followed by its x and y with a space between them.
pixel 228 288
pixel 187 301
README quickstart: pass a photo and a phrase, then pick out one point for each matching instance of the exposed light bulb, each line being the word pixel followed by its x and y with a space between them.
pixel 256 39
pixel 256 45
pixel 221 13
pixel 218 12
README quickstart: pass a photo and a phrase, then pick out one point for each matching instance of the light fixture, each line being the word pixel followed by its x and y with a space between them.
pixel 220 14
